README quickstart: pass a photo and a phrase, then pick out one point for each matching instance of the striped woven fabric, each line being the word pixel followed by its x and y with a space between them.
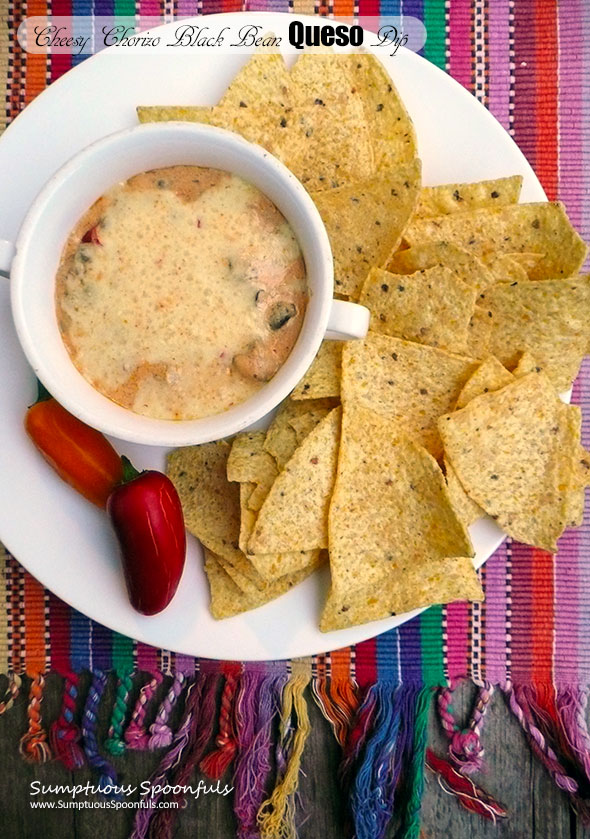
pixel 527 60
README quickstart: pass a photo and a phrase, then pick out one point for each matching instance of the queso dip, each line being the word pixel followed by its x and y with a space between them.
pixel 180 292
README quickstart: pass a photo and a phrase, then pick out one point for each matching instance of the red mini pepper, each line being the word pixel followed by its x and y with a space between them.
pixel 80 455
pixel 146 514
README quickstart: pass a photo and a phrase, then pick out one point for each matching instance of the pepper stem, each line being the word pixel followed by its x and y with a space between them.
pixel 129 470
pixel 42 393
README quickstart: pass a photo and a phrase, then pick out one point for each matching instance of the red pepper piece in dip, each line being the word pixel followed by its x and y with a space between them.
pixel 147 518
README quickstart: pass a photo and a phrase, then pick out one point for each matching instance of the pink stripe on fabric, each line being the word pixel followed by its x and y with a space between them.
pixel 583 581
pixel 187 8
pixel 499 61
pixel 149 8
pixel 458 639
pixel 147 657
pixel 522 610
pixel 495 617
pixel 460 42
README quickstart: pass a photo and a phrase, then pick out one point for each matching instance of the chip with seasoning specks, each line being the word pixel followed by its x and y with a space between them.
pixel 548 318
pixel 410 383
pixel 323 377
pixel 432 306
pixel 264 79
pixel 295 514
pixel 210 503
pixel 228 599
pixel 512 451
pixel 490 375
pixel 282 438
pixel 466 510
pixel 465 266
pixel 452 198
pixel 540 228
pixel 441 581
pixel 390 511
pixel 505 267
pixel 365 221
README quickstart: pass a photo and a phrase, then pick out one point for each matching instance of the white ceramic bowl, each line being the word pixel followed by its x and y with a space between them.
pixel 33 261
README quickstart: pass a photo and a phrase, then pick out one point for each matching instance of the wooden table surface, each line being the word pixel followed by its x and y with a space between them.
pixel 538 810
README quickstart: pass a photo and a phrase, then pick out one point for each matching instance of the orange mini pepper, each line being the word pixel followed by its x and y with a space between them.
pixel 80 455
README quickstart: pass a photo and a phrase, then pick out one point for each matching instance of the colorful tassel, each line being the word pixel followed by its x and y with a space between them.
pixel 64 733
pixel 170 760
pixel 218 761
pixel 256 706
pixel 338 701
pixel 199 733
pixel 358 733
pixel 376 778
pixel 107 774
pixel 160 732
pixel 136 736
pixel 12 691
pixel 276 817
pixel 413 767
pixel 33 745
pixel 468 794
pixel 115 744
pixel 535 707
pixel 465 747
pixel 571 705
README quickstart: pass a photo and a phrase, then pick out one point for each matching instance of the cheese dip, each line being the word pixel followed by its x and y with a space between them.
pixel 180 292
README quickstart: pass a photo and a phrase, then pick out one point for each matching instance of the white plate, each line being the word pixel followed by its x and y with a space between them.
pixel 60 538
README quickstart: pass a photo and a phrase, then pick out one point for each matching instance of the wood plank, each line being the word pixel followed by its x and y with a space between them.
pixel 538 810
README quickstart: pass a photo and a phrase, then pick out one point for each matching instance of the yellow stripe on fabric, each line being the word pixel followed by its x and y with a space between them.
pixel 303 7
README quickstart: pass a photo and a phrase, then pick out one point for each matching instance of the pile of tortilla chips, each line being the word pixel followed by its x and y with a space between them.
pixel 390 448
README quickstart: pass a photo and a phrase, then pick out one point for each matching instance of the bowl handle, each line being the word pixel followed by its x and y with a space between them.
pixel 347 321
pixel 7 251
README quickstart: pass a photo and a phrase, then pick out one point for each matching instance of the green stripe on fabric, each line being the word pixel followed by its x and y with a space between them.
pixel 436 29
pixel 431 636
pixel 125 8
pixel 122 653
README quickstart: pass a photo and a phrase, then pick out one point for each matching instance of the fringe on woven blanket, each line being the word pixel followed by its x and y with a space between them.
pixel 249 728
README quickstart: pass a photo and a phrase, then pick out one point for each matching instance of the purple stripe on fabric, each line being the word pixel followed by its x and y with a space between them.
pixel 411 652
pixel 499 61
pixel 184 664
pixel 495 618
pixel 522 610
pixel 101 645
pixel 525 115
pixel 187 8
pixel 571 122
pixel 583 580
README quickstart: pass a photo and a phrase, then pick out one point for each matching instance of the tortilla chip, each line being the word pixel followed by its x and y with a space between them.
pixel 303 424
pixel 505 268
pixel 210 503
pixel 513 451
pixel 248 460
pixel 281 438
pixel 390 126
pixel 256 499
pixel 549 318
pixel 227 599
pixel 452 198
pixel 466 510
pixel 411 384
pixel 489 376
pixel 443 581
pixel 264 79
pixel 390 511
pixel 478 338
pixel 527 363
pixel 294 516
pixel 527 260
pixel 465 266
pixel 322 79
pixel 431 306
pixel 247 515
pixel 539 228
pixel 323 377
pixel 365 221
